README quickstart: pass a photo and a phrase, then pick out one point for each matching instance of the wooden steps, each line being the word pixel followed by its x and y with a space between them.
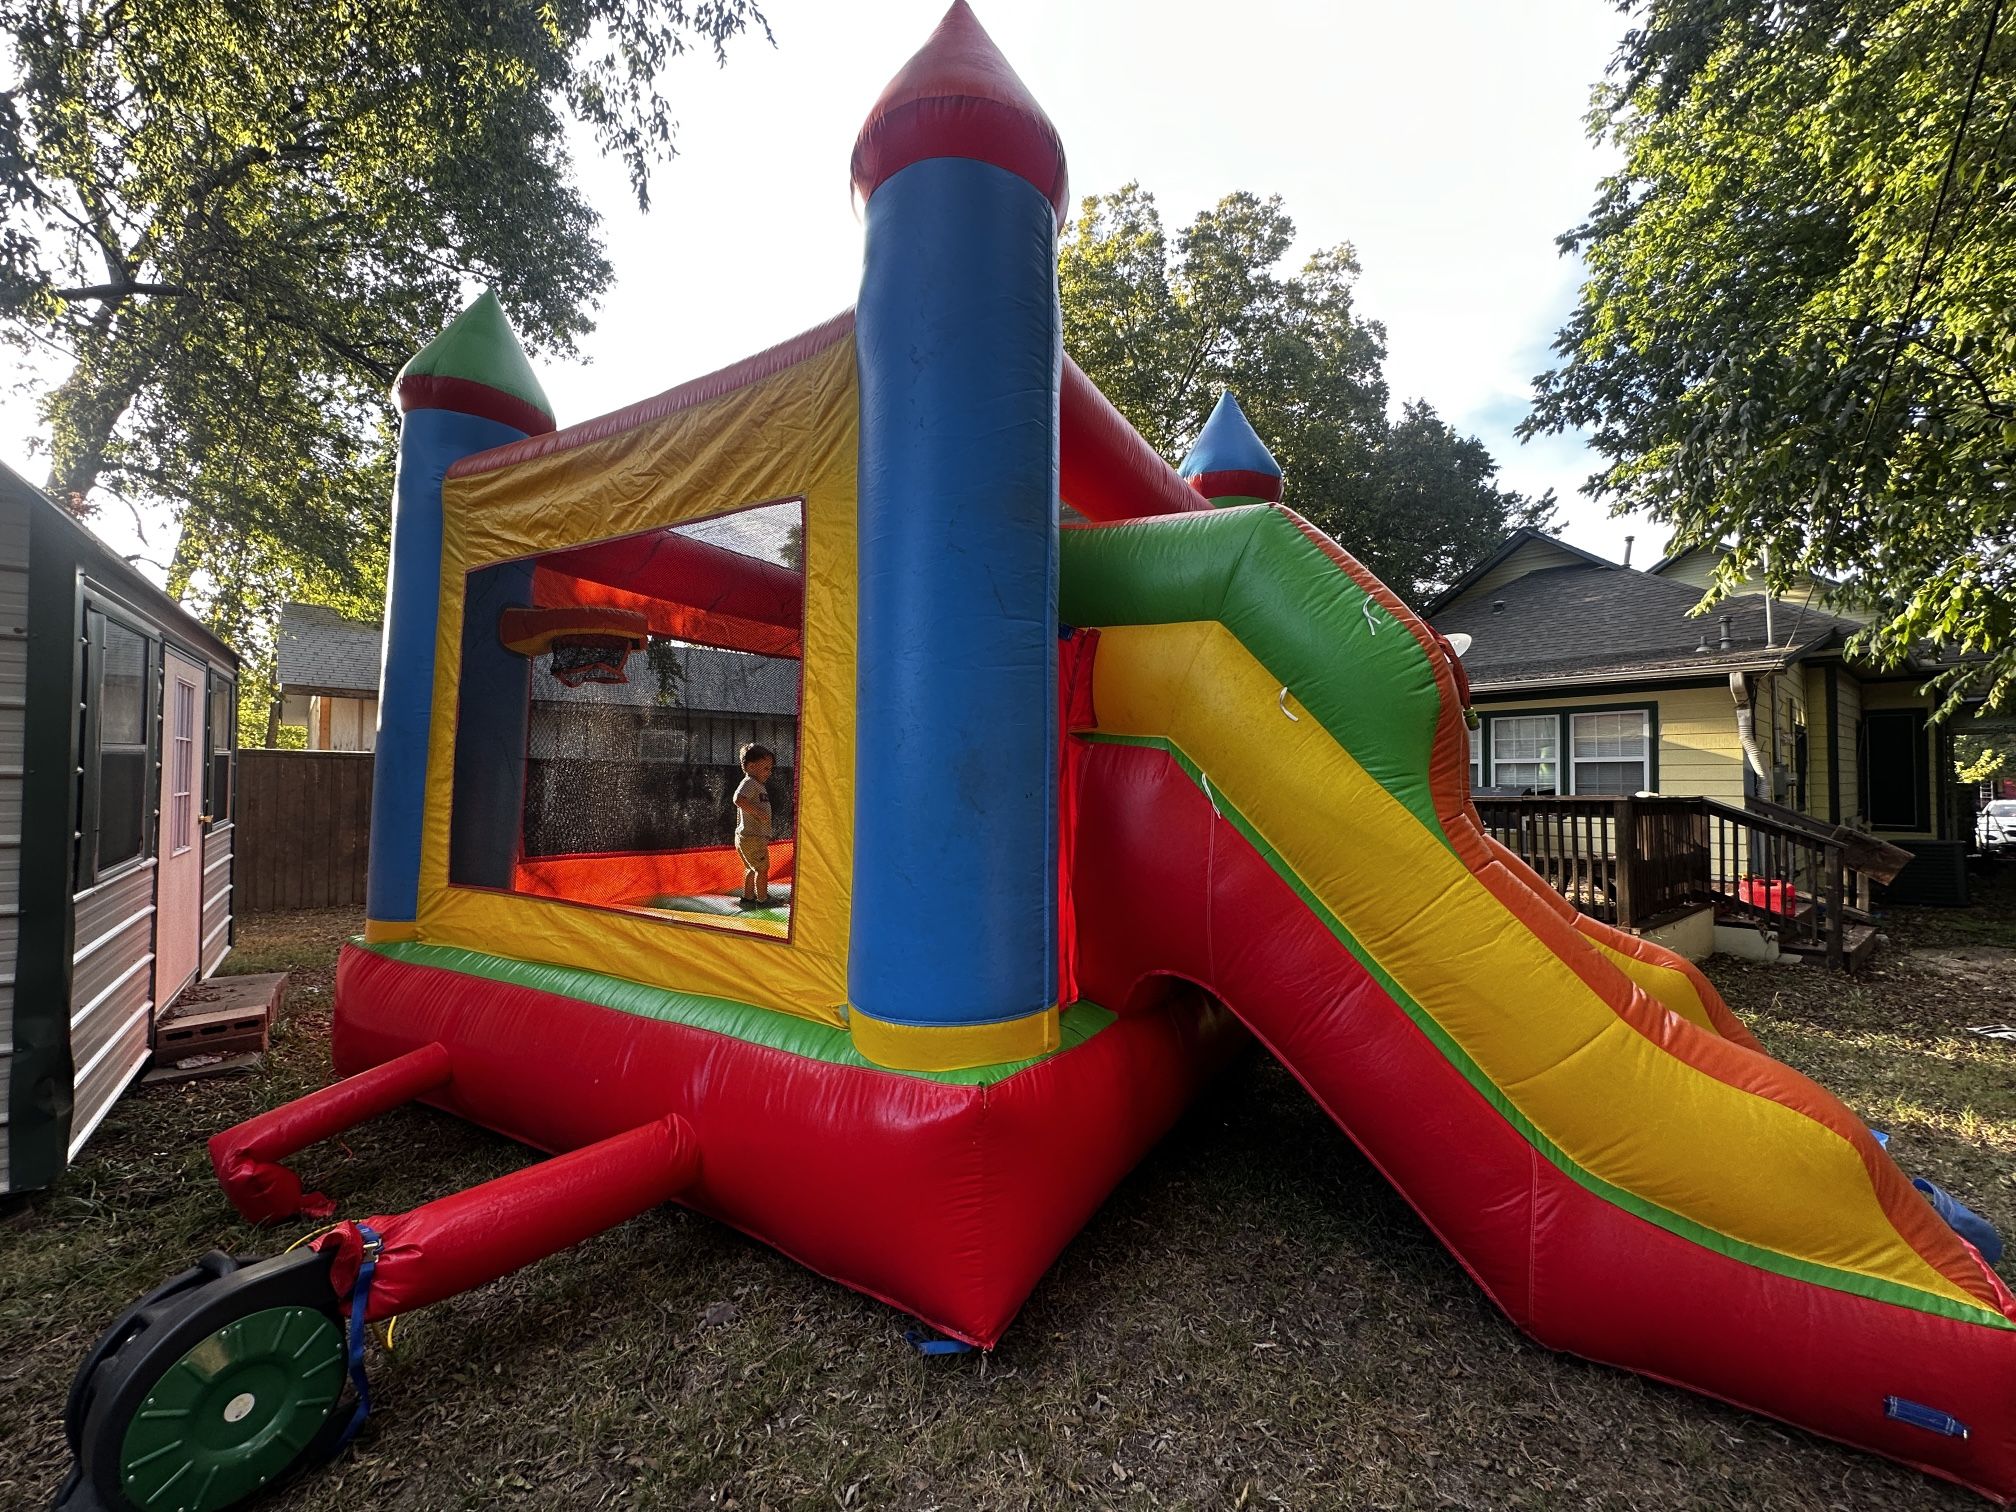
pixel 1858 943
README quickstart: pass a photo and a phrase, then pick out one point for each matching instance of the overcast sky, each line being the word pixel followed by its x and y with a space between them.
pixel 1442 138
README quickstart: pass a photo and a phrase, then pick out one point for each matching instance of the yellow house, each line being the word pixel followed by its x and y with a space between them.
pixel 1592 677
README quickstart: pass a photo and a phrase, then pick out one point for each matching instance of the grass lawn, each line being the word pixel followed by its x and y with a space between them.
pixel 1254 1319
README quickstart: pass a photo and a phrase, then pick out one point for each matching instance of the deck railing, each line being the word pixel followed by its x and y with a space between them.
pixel 1638 862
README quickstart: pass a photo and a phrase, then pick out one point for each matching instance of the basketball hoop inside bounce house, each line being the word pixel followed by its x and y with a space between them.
pixel 583 644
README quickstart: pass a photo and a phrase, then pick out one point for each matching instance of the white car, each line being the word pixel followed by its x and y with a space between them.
pixel 1995 827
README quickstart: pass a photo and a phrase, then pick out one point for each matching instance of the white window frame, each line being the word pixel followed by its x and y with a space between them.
pixel 1644 758
pixel 1553 719
pixel 1485 756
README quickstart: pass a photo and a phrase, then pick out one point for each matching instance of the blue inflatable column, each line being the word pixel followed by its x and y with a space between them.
pixel 952 959
pixel 468 390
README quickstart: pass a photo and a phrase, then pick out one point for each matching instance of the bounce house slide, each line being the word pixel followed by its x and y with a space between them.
pixel 1274 805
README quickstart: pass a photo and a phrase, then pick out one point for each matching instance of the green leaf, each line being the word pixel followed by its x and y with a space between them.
pixel 237 222
pixel 1794 333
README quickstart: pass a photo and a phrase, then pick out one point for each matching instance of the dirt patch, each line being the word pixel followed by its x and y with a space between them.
pixel 1987 970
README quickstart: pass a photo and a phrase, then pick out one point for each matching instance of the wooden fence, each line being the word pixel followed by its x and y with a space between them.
pixel 304 824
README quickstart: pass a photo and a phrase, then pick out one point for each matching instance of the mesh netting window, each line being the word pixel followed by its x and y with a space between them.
pixel 609 693
pixel 656 755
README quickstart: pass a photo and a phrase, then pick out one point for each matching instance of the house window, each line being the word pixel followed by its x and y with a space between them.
pixel 1525 752
pixel 115 775
pixel 1477 755
pixel 1610 752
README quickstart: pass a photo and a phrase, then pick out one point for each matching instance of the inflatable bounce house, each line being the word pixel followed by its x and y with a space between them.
pixel 778 812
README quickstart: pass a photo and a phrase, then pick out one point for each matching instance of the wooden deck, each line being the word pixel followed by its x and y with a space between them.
pixel 1636 861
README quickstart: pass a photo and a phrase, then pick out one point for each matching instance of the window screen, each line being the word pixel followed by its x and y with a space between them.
pixel 655 757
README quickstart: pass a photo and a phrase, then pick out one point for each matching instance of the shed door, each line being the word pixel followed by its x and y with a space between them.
pixel 178 921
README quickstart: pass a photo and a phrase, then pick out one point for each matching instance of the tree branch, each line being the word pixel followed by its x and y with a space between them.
pixel 117 291
pixel 1989 402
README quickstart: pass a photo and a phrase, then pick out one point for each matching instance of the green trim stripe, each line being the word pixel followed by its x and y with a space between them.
pixel 1252 570
pixel 743 1021
pixel 1764 1259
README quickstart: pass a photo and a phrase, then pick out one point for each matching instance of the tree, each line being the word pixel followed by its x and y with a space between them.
pixel 1984 753
pixel 1162 330
pixel 668 671
pixel 1795 329
pixel 234 223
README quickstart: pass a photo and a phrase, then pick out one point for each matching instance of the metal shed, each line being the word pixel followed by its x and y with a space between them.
pixel 117 712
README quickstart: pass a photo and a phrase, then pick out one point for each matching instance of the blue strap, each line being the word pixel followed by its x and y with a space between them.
pixel 924 1344
pixel 1918 1415
pixel 360 1297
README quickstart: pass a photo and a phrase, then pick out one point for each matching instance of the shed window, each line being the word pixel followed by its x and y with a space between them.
pixel 116 775
pixel 1611 752
pixel 217 797
pixel 1525 752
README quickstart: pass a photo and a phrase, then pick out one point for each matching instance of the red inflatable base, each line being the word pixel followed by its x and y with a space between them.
pixel 948 1202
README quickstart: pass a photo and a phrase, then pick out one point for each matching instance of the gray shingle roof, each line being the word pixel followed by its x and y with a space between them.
pixel 108 566
pixel 1524 536
pixel 321 651
pixel 1569 624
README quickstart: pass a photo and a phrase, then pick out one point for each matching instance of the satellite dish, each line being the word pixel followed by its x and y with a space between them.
pixel 1460 644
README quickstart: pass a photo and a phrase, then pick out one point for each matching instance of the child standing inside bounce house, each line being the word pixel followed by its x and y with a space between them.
pixel 752 823
pixel 1076 815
